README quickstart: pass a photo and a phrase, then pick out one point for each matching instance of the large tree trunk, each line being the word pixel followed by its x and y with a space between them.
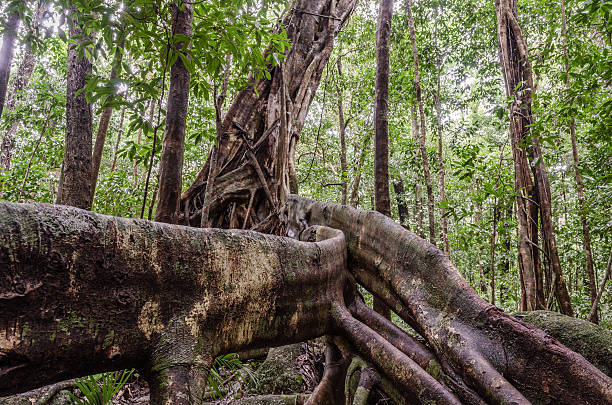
pixel 173 149
pixel 83 293
pixel 75 181
pixel 518 77
pixel 252 160
pixel 382 201
pixel 22 78
pixel 423 137
pixel 175 297
pixel 7 50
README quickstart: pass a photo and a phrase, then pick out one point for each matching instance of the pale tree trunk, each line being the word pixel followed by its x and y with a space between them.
pixel 118 141
pixel 418 201
pixel 439 128
pixel 252 162
pixel 423 137
pixel 586 237
pixel 357 167
pixel 342 124
pixel 75 179
pixel 20 82
pixel 173 148
pixel 519 87
pixel 496 214
pixel 96 157
pixel 6 52
pixel 382 201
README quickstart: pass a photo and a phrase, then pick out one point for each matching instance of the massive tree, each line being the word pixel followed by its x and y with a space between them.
pixel 174 297
pixel 253 166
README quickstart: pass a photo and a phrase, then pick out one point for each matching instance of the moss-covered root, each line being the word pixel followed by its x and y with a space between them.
pixel 591 341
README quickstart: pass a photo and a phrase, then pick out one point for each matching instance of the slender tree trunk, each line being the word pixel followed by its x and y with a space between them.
pixel 593 313
pixel 219 101
pixel 478 222
pixel 402 208
pixel 22 78
pixel 354 201
pixel 342 123
pixel 418 201
pixel 423 137
pixel 75 181
pixel 139 140
pixel 171 161
pixel 586 237
pixel 105 118
pixel 519 86
pixel 381 124
pixel 43 131
pixel 118 142
pixel 6 52
pixel 439 128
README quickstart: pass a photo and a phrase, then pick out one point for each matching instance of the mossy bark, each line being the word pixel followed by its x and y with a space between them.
pixel 83 293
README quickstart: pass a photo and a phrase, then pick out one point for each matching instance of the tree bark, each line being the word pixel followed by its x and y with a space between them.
pixel 75 181
pixel 382 201
pixel 586 237
pixel 418 201
pixel 516 68
pixel 402 208
pixel 423 137
pixel 7 50
pixel 251 178
pixel 22 78
pixel 173 297
pixel 173 148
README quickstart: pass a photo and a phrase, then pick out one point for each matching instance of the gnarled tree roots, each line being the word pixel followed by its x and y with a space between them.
pixel 82 293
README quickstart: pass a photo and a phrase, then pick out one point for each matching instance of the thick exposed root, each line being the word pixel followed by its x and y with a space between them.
pixel 500 357
pixel 83 293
